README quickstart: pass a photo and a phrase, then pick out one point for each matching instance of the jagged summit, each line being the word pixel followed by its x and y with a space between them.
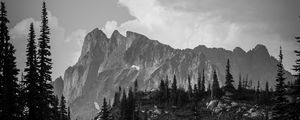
pixel 260 47
pixel 238 50
pixel 107 63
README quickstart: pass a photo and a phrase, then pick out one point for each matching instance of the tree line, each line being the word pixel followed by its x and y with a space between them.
pixel 31 97
pixel 282 103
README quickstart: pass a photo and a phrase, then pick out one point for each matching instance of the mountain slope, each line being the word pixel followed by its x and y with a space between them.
pixel 107 63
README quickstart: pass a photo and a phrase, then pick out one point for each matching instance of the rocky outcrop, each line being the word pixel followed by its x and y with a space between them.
pixel 58 86
pixel 107 63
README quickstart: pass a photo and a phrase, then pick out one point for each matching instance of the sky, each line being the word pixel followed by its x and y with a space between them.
pixel 178 23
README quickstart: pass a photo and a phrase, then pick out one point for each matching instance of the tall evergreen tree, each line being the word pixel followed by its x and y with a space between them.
pixel 130 105
pixel 267 87
pixel 167 90
pixel 136 86
pixel 10 109
pixel 258 86
pixel 215 92
pixel 229 79
pixel 123 107
pixel 117 97
pixel 30 79
pixel 55 109
pixel 203 82
pixel 2 41
pixel 294 107
pixel 199 84
pixel 297 67
pixel 105 111
pixel 45 66
pixel 190 89
pixel 63 109
pixel 240 83
pixel 174 91
pixel 69 114
pixel 278 109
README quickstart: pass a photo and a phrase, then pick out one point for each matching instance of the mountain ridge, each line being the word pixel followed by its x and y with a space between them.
pixel 107 63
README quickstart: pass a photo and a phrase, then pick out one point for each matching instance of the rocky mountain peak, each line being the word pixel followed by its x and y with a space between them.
pixel 238 50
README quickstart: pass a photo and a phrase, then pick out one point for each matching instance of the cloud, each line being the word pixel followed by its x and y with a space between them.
pixel 77 36
pixel 226 24
pixel 109 28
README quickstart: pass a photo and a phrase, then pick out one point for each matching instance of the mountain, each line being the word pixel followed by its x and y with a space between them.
pixel 107 63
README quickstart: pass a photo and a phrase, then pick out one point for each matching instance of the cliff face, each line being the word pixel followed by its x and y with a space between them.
pixel 107 63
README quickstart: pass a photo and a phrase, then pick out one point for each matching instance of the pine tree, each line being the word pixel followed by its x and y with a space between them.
pixel 136 86
pixel 1 66
pixel 55 109
pixel 174 91
pixel 199 84
pixel 167 90
pixel 293 111
pixel 10 109
pixel 190 89
pixel 267 87
pixel 203 82
pixel 63 109
pixel 297 67
pixel 45 66
pixel 30 79
pixel 215 92
pixel 208 90
pixel 240 83
pixel 229 79
pixel 258 86
pixel 69 114
pixel 130 105
pixel 162 91
pixel 105 111
pixel 117 97
pixel 278 109
pixel 123 107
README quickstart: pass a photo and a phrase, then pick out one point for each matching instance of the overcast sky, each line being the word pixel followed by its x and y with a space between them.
pixel 179 23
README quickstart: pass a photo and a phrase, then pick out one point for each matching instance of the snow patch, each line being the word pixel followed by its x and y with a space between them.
pixel 135 67
pixel 97 106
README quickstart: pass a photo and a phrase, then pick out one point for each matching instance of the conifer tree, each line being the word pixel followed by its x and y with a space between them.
pixel 229 79
pixel 117 97
pixel 30 79
pixel 278 109
pixel 190 89
pixel 167 90
pixel 10 108
pixel 297 67
pixel 215 92
pixel 267 87
pixel 2 41
pixel 199 84
pixel 63 109
pixel 240 83
pixel 56 111
pixel 258 86
pixel 136 86
pixel 174 91
pixel 105 111
pixel 203 82
pixel 130 105
pixel 45 66
pixel 208 89
pixel 293 111
pixel 69 114
pixel 123 107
